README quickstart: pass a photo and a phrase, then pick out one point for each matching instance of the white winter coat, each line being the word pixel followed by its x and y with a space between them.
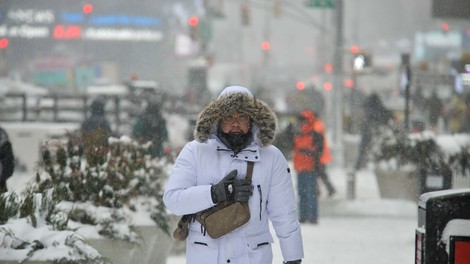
pixel 206 161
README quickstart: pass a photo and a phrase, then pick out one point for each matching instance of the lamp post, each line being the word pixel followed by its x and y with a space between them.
pixel 337 84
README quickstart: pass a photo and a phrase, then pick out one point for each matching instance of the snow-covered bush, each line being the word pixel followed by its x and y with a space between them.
pixel 32 228
pixel 127 179
pixel 423 150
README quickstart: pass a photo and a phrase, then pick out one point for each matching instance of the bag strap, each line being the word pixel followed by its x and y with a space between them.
pixel 249 169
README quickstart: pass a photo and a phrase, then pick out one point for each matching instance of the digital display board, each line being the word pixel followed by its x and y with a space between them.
pixel 69 20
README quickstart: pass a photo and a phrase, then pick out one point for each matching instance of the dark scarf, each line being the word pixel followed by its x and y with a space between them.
pixel 235 142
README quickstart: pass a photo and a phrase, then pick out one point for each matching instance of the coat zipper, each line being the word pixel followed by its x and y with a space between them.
pixel 260 201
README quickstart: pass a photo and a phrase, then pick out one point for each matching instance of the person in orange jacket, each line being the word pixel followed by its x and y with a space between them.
pixel 310 156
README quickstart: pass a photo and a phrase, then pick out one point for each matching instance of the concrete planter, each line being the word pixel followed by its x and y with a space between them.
pixel 397 184
pixel 153 248
pixel 115 250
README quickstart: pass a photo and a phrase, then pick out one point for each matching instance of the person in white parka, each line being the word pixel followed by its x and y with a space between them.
pixel 230 131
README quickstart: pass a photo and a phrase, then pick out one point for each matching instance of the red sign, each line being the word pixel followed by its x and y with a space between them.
pixel 67 32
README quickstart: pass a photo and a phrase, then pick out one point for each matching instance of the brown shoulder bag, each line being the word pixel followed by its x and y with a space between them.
pixel 219 219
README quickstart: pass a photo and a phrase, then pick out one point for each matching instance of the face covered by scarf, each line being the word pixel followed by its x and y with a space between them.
pixel 235 142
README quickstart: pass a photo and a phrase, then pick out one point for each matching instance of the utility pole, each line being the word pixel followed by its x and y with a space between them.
pixel 337 83
pixel 338 98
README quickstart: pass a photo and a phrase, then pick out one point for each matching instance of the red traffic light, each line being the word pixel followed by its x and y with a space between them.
pixel 327 86
pixel 300 86
pixel 265 45
pixel 348 83
pixel 193 21
pixel 328 68
pixel 445 27
pixel 3 43
pixel 87 8
pixel 354 49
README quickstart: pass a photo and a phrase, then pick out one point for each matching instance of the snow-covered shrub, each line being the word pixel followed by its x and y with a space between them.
pixel 128 179
pixel 32 228
pixel 423 150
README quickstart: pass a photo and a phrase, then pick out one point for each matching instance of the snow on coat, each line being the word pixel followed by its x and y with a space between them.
pixel 206 160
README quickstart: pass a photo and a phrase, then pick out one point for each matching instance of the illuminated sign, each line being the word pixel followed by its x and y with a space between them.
pixel 67 32
pixel 24 31
pixel 31 16
pixel 110 20
pixel 122 20
pixel 44 23
pixel 122 34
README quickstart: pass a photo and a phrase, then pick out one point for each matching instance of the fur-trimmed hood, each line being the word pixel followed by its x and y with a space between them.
pixel 237 98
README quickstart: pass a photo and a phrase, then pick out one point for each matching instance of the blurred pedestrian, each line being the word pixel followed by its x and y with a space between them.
pixel 231 132
pixel 308 150
pixel 284 140
pixel 7 160
pixel 434 108
pixel 151 127
pixel 376 115
pixel 455 113
pixel 95 132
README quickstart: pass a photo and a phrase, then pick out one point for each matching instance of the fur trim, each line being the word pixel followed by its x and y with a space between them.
pixel 264 119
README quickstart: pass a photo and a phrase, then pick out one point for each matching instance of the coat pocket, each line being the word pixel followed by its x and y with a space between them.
pixel 200 249
pixel 259 248
pixel 259 240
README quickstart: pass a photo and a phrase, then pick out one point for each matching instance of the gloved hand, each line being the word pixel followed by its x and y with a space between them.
pixel 242 190
pixel 231 189
pixel 220 192
pixel 293 261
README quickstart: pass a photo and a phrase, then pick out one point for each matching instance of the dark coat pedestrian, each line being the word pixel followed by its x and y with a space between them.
pixel 151 127
pixel 7 160
pixel 96 131
pixel 434 108
pixel 376 115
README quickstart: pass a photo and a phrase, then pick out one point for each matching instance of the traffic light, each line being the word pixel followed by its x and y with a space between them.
pixel 328 68
pixel 300 85
pixel 265 46
pixel 193 23
pixel 87 8
pixel 445 27
pixel 327 86
pixel 354 49
pixel 245 14
pixel 3 43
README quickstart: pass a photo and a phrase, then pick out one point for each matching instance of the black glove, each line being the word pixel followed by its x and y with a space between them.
pixel 231 189
pixel 293 261
pixel 242 190
pixel 220 192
